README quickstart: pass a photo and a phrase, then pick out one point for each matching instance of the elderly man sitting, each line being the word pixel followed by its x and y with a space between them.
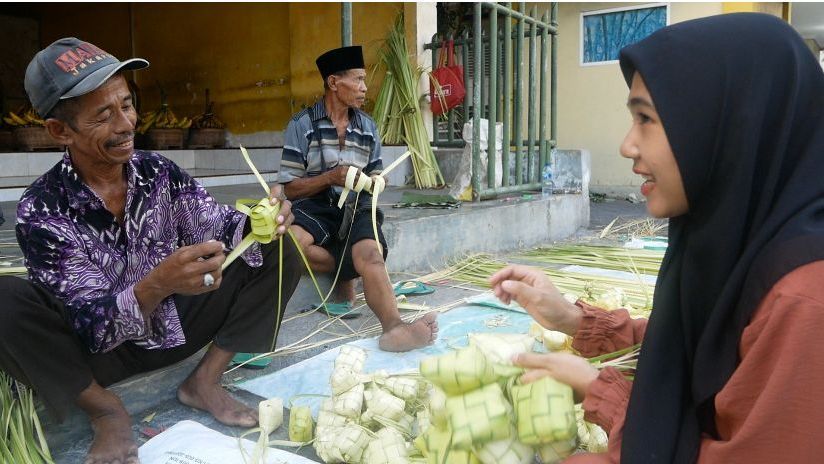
pixel 124 252
pixel 322 143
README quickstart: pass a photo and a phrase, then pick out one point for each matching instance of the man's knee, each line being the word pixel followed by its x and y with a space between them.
pixel 291 254
pixel 292 261
pixel 10 285
pixel 305 239
pixel 366 253
pixel 19 296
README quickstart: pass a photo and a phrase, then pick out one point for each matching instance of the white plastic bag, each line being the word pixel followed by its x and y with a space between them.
pixel 461 186
pixel 189 442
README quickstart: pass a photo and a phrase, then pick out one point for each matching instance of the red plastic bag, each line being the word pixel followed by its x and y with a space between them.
pixel 450 78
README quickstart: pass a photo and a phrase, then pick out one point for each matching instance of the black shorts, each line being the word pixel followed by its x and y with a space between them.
pixel 321 217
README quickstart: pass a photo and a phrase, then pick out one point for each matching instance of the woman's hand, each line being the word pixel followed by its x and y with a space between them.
pixel 533 290
pixel 572 370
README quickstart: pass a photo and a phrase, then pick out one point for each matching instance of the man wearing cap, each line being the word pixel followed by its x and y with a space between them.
pixel 124 252
pixel 321 143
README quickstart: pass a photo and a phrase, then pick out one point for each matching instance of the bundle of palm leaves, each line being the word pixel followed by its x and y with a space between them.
pixel 21 437
pixel 398 112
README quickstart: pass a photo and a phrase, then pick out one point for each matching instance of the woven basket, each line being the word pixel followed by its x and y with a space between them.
pixel 6 140
pixel 34 138
pixel 165 139
pixel 207 138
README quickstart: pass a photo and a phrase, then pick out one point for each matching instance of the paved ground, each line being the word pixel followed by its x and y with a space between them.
pixel 152 395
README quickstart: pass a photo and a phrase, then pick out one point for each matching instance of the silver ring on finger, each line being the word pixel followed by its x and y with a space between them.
pixel 208 280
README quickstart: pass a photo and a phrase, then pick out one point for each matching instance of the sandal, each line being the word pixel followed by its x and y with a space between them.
pixel 343 310
pixel 241 358
pixel 412 287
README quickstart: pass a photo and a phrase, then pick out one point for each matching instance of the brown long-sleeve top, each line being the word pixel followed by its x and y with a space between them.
pixel 771 408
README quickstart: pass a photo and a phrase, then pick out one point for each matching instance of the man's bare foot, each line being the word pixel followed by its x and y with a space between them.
pixel 214 399
pixel 344 291
pixel 408 336
pixel 113 439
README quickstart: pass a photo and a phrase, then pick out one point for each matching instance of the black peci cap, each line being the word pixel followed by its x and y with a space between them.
pixel 340 59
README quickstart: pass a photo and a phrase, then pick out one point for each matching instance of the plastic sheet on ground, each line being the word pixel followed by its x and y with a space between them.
pixel 189 442
pixel 311 376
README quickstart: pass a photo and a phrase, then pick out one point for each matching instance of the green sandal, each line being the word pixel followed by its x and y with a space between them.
pixel 412 287
pixel 241 358
pixel 343 310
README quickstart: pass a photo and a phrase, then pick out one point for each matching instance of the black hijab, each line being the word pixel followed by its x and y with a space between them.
pixel 741 99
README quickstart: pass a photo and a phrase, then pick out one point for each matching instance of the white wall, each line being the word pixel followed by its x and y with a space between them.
pixel 592 112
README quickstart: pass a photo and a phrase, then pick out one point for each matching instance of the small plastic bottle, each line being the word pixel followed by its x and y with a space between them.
pixel 547 184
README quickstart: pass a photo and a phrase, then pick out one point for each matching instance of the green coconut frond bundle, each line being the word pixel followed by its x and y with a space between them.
pixel 397 110
pixel 21 437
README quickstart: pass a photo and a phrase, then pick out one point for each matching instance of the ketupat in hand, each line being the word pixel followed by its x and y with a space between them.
pixel 284 219
pixel 566 368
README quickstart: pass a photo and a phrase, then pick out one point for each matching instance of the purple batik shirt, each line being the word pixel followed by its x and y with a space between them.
pixel 74 247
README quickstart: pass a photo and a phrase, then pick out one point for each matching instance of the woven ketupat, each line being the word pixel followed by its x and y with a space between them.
pixel 434 444
pixel 458 371
pixel 436 402
pixel 270 413
pixel 406 424
pixel 556 452
pixel 351 357
pixel 508 451
pixel 300 424
pixel 381 403
pixel 423 418
pixel 500 347
pixel 327 416
pixel 544 412
pixel 479 417
pixel 341 444
pixel 406 388
pixel 343 379
pixel 591 437
pixel 388 447
pixel 350 404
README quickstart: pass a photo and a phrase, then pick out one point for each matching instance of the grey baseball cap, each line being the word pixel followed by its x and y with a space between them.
pixel 68 68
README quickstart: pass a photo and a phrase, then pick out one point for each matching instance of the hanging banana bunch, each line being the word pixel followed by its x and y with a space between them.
pixel 161 118
pixel 24 117
pixel 207 120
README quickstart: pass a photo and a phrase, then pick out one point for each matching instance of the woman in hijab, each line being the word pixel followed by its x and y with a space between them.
pixel 728 134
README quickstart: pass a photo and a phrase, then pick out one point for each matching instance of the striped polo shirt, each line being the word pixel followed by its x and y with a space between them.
pixel 307 153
